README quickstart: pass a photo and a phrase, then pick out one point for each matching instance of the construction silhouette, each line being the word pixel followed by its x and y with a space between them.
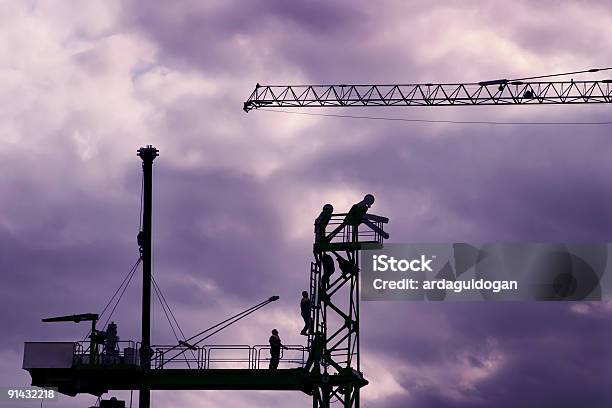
pixel 519 91
pixel 105 363
pixel 531 91
pixel 328 367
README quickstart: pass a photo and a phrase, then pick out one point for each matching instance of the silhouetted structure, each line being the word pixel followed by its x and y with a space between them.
pixel 328 368
pixel 104 362
pixel 496 92
pixel 147 154
pixel 333 359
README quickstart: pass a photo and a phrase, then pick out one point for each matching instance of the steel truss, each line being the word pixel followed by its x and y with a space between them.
pixel 499 92
pixel 334 342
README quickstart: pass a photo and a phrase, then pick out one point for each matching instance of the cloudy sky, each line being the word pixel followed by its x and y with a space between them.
pixel 85 83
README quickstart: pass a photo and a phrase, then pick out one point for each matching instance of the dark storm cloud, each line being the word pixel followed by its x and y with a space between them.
pixel 348 41
pixel 540 346
pixel 217 27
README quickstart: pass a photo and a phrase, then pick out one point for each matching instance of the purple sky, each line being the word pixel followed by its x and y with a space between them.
pixel 84 84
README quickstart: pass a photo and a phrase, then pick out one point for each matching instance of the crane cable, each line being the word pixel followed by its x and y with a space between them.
pixel 455 122
pixel 168 307
pixel 133 272
pixel 128 277
pixel 165 305
pixel 219 326
pixel 592 70
pixel 156 289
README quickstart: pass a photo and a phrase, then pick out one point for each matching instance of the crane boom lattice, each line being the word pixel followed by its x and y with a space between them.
pixel 497 92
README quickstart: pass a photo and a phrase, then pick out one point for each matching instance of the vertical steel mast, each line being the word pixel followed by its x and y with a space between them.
pixel 147 154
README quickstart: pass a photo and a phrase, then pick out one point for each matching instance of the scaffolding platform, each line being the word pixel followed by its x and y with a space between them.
pixel 100 380
pixel 68 366
pixel 346 246
pixel 361 237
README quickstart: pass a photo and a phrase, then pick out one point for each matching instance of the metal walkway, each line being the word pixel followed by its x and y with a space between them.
pixel 212 357
pixel 209 367
pixel 206 357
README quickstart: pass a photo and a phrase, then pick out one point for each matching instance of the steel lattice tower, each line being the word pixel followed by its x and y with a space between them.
pixel 334 339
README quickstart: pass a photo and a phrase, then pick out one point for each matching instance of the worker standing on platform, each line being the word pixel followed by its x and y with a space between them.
pixel 321 223
pixel 305 312
pixel 275 349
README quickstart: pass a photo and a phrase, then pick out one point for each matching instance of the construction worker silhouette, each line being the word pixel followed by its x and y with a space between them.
pixel 328 269
pixel 357 211
pixel 275 349
pixel 322 221
pixel 316 353
pixel 305 312
pixel 347 267
pixel 355 216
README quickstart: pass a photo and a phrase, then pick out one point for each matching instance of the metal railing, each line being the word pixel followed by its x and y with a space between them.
pixel 206 357
pixel 364 233
pixel 124 353
pixel 220 356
